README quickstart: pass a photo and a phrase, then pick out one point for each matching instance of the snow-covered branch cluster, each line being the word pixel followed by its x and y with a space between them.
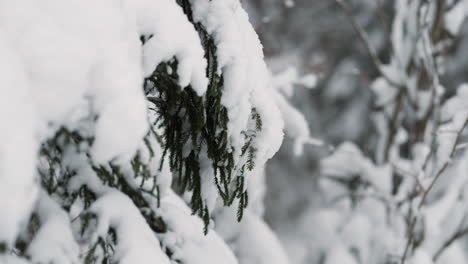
pixel 402 202
pixel 128 126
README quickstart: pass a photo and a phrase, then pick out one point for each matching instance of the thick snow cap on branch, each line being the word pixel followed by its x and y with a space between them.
pixel 185 239
pixel 454 114
pixel 136 242
pixel 54 242
pixel 246 79
pixel 348 162
pixel 295 124
pixel 170 34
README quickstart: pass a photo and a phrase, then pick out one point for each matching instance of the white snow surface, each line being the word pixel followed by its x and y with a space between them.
pixel 54 242
pixel 340 254
pixel 136 242
pixel 7 259
pixel 18 145
pixel 258 244
pixel 252 241
pixel 185 237
pixel 456 16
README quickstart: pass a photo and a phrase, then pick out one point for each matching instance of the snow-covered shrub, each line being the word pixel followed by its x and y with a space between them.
pixel 127 129
pixel 404 201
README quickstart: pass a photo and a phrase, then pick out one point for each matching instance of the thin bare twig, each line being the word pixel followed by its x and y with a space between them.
pixel 426 192
pixel 460 233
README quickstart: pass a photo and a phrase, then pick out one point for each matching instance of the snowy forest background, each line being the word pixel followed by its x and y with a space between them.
pixel 233 131
pixel 302 37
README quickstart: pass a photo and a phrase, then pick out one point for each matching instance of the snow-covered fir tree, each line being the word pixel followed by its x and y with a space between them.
pixel 136 131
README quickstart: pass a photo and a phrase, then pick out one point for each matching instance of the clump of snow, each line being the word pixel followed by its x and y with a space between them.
pixel 295 125
pixel 286 79
pixel 455 104
pixel 455 114
pixel 308 80
pixel 338 165
pixel 136 242
pixel 384 93
pixel 246 78
pixel 171 35
pixel 456 16
pixel 185 237
pixel 55 234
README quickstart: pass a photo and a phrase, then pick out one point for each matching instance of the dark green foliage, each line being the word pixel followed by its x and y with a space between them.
pixel 196 126
pixel 107 249
pixel 55 178
pixel 109 174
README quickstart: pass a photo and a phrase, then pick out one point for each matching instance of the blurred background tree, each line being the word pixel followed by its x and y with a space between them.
pixel 316 36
